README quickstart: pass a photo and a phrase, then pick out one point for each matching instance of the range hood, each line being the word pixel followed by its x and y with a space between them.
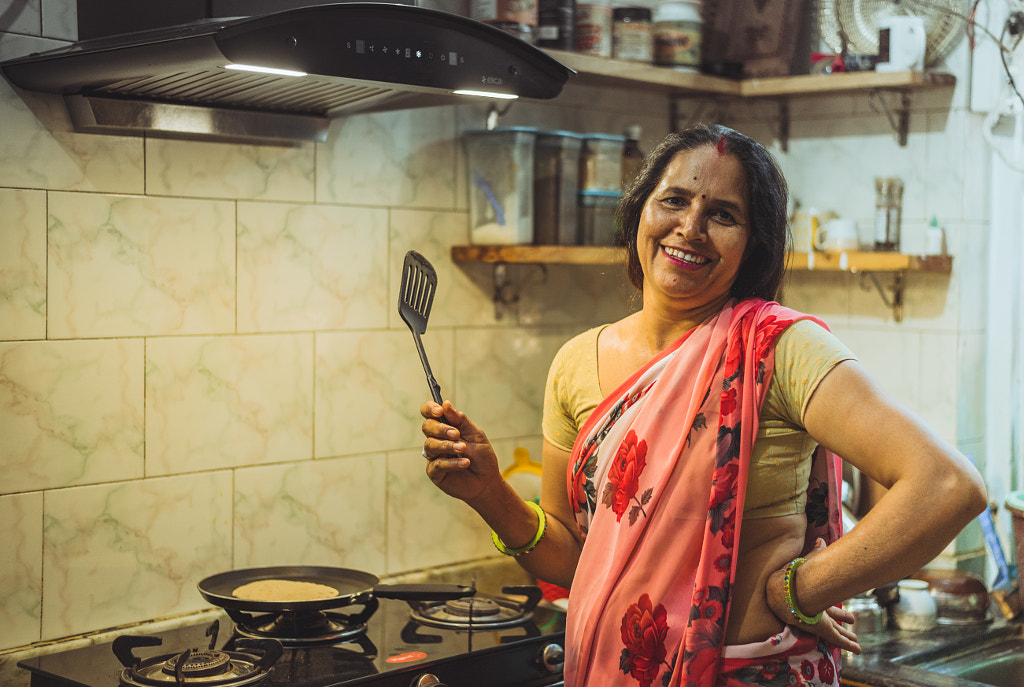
pixel 192 80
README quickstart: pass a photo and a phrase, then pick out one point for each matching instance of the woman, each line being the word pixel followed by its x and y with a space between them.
pixel 685 499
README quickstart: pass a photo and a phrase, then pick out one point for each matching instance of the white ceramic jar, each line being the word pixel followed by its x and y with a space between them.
pixel 678 28
pixel 916 608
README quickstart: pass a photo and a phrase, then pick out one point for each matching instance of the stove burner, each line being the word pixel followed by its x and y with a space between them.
pixel 293 628
pixel 207 667
pixel 479 611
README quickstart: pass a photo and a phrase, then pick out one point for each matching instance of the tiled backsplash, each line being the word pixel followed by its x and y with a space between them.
pixel 202 366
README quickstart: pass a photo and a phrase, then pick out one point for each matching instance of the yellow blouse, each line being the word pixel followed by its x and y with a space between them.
pixel 781 458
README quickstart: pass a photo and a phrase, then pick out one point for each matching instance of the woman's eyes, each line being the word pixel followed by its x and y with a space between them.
pixel 720 215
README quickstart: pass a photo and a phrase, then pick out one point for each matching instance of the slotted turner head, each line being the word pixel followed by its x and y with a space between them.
pixel 415 297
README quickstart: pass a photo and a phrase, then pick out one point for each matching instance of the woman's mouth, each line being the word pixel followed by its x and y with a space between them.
pixel 689 259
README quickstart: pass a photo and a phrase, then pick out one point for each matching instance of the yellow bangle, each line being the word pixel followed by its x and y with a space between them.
pixel 787 585
pixel 542 527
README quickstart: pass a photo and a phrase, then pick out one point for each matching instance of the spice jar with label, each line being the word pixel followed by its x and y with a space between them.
pixel 556 24
pixel 517 17
pixel 678 27
pixel 594 29
pixel 632 34
pixel 888 211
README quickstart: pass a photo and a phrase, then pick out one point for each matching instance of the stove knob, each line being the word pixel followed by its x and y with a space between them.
pixel 552 658
pixel 427 680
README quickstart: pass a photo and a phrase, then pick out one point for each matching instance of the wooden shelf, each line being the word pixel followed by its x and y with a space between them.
pixel 606 71
pixel 847 261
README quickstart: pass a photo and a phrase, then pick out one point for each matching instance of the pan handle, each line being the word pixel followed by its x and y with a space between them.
pixel 423 592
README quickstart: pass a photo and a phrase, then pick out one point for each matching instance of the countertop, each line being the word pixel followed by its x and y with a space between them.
pixel 875 666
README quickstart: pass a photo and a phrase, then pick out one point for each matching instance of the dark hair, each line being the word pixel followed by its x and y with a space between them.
pixel 765 263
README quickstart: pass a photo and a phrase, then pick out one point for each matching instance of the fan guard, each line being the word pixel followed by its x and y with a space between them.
pixel 944 24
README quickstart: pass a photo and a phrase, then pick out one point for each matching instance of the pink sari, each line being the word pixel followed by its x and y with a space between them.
pixel 658 481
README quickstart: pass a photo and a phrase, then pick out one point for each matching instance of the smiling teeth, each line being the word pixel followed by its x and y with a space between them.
pixel 685 257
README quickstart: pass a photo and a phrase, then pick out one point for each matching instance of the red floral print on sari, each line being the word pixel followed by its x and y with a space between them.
pixel 644 628
pixel 624 478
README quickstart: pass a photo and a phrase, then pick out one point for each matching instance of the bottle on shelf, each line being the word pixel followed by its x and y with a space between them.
pixel 888 210
pixel 632 156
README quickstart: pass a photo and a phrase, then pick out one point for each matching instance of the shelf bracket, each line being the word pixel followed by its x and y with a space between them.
pixel 504 294
pixel 896 302
pixel 898 120
pixel 675 115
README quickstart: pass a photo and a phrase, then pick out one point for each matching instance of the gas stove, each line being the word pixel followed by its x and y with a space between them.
pixel 504 640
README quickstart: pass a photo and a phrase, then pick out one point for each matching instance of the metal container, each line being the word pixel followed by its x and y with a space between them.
pixel 869 617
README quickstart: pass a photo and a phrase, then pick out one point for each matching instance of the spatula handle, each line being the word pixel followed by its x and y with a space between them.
pixel 435 388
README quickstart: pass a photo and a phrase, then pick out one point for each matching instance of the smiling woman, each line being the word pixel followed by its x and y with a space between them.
pixel 690 474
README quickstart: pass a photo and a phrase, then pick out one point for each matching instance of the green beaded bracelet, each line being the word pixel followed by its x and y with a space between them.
pixel 787 586
pixel 542 527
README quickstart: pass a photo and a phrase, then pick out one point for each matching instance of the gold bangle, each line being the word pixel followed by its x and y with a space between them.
pixel 542 528
pixel 787 585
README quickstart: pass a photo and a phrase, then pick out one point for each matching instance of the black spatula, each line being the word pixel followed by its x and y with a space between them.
pixel 416 295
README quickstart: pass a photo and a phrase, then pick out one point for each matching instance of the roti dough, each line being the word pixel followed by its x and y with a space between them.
pixel 284 590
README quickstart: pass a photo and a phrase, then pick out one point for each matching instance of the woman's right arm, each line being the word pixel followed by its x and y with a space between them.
pixel 462 463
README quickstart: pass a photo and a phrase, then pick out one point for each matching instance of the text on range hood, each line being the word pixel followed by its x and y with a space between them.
pixel 353 56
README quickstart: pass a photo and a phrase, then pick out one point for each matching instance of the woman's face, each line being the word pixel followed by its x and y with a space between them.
pixel 694 229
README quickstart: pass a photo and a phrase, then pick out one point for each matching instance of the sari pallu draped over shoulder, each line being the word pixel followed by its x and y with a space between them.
pixel 658 480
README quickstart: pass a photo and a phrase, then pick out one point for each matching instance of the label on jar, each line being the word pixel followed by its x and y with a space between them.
pixel 677 43
pixel 632 40
pixel 594 30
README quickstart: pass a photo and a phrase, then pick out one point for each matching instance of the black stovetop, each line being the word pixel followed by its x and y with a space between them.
pixel 394 649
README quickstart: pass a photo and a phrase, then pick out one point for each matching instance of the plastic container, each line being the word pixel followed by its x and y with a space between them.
pixel 678 28
pixel 594 29
pixel 632 34
pixel 499 165
pixel 601 162
pixel 555 187
pixel 597 217
pixel 916 609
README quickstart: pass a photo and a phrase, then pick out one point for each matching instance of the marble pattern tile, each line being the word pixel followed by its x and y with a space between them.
pixel 306 267
pixel 71 412
pixel 891 357
pixel 215 170
pixel 970 369
pixel 126 266
pixel 426 527
pixel 404 158
pixel 218 402
pixel 22 265
pixel 941 391
pixel 39 150
pixel 121 553
pixel 370 386
pixel 501 374
pixel 21 568
pixel 324 512
pixel 21 16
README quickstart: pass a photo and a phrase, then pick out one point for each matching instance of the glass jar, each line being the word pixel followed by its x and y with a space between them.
pixel 678 27
pixel 888 211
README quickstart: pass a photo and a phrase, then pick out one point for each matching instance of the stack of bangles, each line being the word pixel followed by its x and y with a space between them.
pixel 789 575
pixel 542 527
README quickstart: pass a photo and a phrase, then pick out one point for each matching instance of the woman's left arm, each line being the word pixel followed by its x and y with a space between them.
pixel 933 492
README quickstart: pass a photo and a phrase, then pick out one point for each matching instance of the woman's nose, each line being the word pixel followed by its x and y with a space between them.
pixel 690 225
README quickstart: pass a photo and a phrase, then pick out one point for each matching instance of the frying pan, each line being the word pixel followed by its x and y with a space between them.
pixel 354 587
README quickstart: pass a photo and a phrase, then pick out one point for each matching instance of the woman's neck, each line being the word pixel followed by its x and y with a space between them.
pixel 659 328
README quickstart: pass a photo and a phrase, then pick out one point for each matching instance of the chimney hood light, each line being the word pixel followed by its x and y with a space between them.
pixel 487 94
pixel 265 70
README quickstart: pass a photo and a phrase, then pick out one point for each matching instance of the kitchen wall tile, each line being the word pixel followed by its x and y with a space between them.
pixel 941 391
pixel 21 568
pixel 215 170
pixel 370 386
pixel 426 527
pixel 22 265
pixel 971 242
pixel 44 153
pixel 891 356
pixel 325 512
pixel 60 19
pixel 217 402
pixel 822 294
pixel 573 295
pixel 931 301
pixel 404 158
pixel 121 553
pixel 463 296
pixel 125 266
pixel 970 370
pixel 71 412
pixel 312 267
pixel 21 16
pixel 500 376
